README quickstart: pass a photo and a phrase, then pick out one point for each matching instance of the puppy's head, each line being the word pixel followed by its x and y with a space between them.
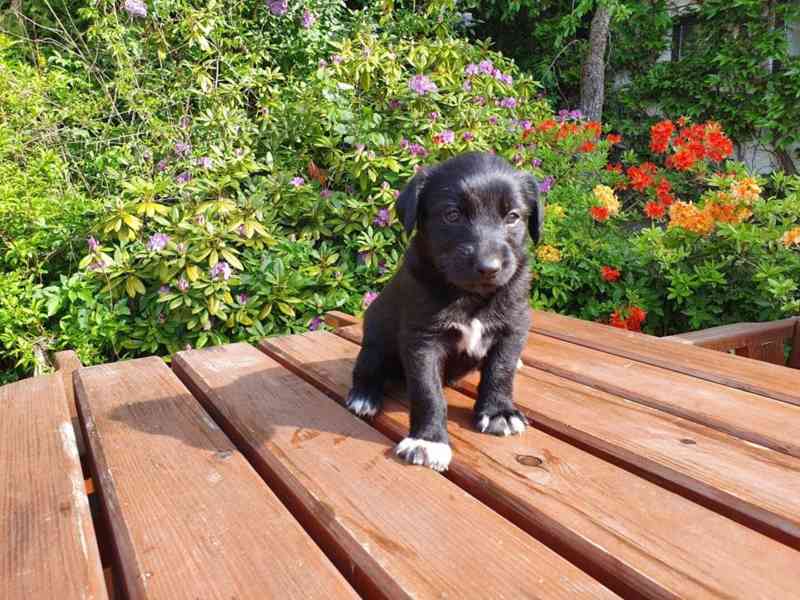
pixel 472 213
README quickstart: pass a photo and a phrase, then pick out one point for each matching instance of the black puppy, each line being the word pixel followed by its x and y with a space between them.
pixel 459 302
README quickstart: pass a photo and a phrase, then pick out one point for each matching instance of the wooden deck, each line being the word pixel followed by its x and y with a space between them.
pixel 652 469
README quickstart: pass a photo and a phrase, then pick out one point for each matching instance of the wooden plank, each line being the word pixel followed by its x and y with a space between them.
pixel 399 530
pixel 794 357
pixel 47 541
pixel 748 416
pixel 738 335
pixel 188 516
pixel 335 318
pixel 750 375
pixel 639 539
pixel 752 482
pixel 66 363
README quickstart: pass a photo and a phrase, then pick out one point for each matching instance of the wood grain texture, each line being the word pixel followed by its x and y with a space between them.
pixel 750 375
pixel 188 516
pixel 738 335
pixel 748 416
pixel 66 363
pixel 400 531
pixel 633 535
pixel 47 541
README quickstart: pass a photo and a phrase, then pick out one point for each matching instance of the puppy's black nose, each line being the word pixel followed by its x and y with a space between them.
pixel 488 267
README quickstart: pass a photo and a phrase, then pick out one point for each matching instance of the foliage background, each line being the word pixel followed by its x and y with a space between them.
pixel 235 164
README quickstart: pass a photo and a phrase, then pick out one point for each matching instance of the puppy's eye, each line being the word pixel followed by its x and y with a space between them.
pixel 512 218
pixel 451 215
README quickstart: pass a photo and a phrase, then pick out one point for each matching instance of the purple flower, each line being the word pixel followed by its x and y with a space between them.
pixel 445 137
pixel 298 182
pixel 164 289
pixel 546 184
pixel 241 230
pixel 421 85
pixel 382 267
pixel 382 218
pixel 157 242
pixel 417 150
pixel 563 115
pixel 468 136
pixel 182 149
pixel 536 162
pixel 326 193
pixel 576 115
pixel 315 323
pixel 221 270
pixel 493 120
pixel 369 298
pixel 394 104
pixel 308 20
pixel 471 69
pixel 98 265
pixel 404 143
pixel 336 59
pixel 467 85
pixel 242 298
pixel 185 122
pixel 385 186
pixel 508 103
pixel 525 124
pixel 362 258
pixel 479 100
pixel 322 63
pixel 183 284
pixel 205 162
pixel 278 7
pixel 161 166
pixel 433 116
pixel 135 8
pixel 507 79
pixel 93 244
pixel 184 177
pixel 486 67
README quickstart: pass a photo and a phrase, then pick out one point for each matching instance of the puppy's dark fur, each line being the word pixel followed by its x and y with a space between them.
pixel 459 302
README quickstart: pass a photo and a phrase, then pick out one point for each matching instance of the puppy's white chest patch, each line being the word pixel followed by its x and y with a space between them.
pixel 473 341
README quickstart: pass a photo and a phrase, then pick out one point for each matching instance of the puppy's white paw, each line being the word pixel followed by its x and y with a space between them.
pixel 519 363
pixel 435 455
pixel 361 405
pixel 504 423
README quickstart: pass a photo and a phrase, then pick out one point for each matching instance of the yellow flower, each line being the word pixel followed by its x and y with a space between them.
pixel 556 210
pixel 687 216
pixel 791 237
pixel 547 253
pixel 605 195
pixel 745 190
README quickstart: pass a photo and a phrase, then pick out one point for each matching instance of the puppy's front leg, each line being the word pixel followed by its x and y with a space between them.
pixel 495 412
pixel 427 443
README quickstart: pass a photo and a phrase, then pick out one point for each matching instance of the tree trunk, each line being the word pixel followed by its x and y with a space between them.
pixel 785 161
pixel 593 75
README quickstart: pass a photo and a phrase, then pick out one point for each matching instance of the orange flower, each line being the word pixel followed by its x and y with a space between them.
pixel 636 317
pixel 594 127
pixel 599 213
pixel 614 167
pixel 547 125
pixel 683 160
pixel 618 321
pixel 609 273
pixel 586 147
pixel 660 134
pixel 791 237
pixel 640 178
pixel 613 138
pixel 687 216
pixel 654 210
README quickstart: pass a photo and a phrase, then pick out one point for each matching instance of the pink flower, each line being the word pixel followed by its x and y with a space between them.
pixel 369 298
pixel 221 270
pixel 508 103
pixel 308 20
pixel 422 85
pixel 468 136
pixel 297 182
pixel 445 137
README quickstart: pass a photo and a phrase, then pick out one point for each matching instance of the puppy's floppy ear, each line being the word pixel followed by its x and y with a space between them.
pixel 535 204
pixel 408 201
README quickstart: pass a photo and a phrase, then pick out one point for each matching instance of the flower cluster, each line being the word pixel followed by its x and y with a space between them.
pixel 609 274
pixel 632 322
pixel 687 215
pixel 422 85
pixel 486 67
pixel 791 237
pixel 691 145
pixel 547 253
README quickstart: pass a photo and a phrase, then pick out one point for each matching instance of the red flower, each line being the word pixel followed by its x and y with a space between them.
pixel 654 210
pixel 613 138
pixel 639 178
pixel 586 147
pixel 720 146
pixel 547 125
pixel 618 321
pixel 609 273
pixel 660 134
pixel 663 193
pixel 636 317
pixel 599 213
pixel 614 167
pixel 595 128
pixel 682 160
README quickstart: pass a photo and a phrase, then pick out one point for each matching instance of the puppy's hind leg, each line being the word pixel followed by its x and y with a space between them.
pixel 366 396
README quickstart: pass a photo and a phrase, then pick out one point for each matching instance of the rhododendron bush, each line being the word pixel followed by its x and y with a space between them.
pixel 231 174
